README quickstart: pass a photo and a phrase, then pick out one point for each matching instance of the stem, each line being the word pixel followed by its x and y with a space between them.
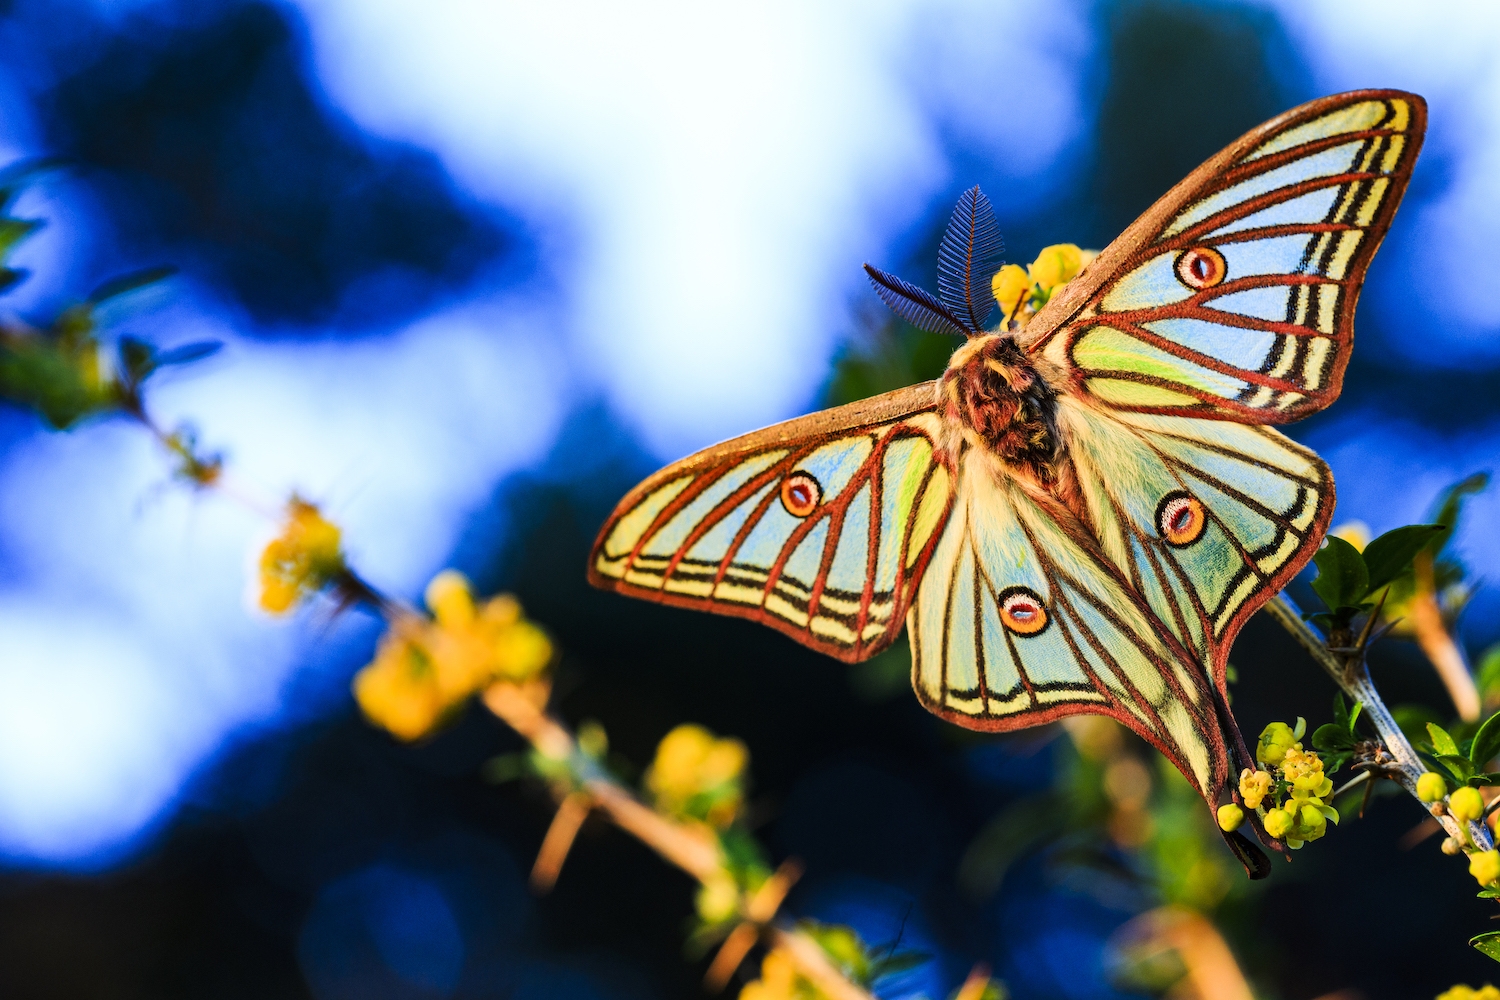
pixel 1432 635
pixel 1350 673
pixel 692 849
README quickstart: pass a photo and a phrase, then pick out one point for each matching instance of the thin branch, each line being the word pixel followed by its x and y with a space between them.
pixel 693 849
pixel 1351 674
pixel 1432 635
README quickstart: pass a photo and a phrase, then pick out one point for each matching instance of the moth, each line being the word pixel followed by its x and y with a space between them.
pixel 1086 507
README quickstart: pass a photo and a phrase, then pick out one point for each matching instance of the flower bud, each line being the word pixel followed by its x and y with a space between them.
pixel 1056 265
pixel 1010 284
pixel 1275 740
pixel 1451 847
pixel 1466 804
pixel 1278 822
pixel 1431 787
pixel 1230 817
pixel 1485 866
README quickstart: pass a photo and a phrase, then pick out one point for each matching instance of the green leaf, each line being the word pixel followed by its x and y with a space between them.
pixel 137 358
pixel 1354 716
pixel 1489 943
pixel 1340 711
pixel 1342 577
pixel 1458 765
pixel 1486 745
pixel 1390 555
pixel 13 231
pixel 1488 675
pixel 901 961
pixel 1335 760
pixel 1441 741
pixel 116 287
pixel 186 354
pixel 1451 506
pixel 1489 893
pixel 1331 736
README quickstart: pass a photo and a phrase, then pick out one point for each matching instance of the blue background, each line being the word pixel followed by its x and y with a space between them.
pixel 478 268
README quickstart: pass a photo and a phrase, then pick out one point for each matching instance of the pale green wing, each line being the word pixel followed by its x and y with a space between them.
pixel 1207 518
pixel 1233 297
pixel 819 527
pixel 1020 620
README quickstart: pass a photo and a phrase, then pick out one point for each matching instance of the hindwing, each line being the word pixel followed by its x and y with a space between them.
pixel 1021 619
pixel 1207 518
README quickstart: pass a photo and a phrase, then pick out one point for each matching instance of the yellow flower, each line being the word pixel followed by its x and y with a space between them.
pixel 449 599
pixel 1304 766
pixel 1010 284
pixel 1278 822
pixel 718 900
pixel 1485 866
pixel 1056 265
pixel 778 980
pixel 1356 533
pixel 1466 804
pixel 300 560
pixel 1431 787
pixel 1462 992
pixel 1275 740
pixel 1311 823
pixel 424 668
pixel 398 690
pixel 1254 787
pixel 695 774
pixel 1230 817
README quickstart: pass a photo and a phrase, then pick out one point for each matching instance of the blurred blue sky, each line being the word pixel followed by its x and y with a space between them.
pixel 686 192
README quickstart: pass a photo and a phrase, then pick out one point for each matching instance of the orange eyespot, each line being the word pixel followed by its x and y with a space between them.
pixel 800 493
pixel 1201 267
pixel 1022 611
pixel 1180 518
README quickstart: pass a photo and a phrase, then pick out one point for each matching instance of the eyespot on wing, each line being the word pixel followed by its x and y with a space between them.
pixel 1180 518
pixel 800 494
pixel 1201 267
pixel 1022 611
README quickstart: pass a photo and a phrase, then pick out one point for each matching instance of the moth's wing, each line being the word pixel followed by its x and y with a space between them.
pixel 1265 501
pixel 712 532
pixel 1100 650
pixel 1280 227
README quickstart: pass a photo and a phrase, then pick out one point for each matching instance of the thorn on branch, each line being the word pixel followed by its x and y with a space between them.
pixel 571 813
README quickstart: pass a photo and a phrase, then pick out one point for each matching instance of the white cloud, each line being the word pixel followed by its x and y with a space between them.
pixel 720 161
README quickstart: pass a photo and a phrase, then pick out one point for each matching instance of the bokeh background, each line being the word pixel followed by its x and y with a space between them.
pixel 481 266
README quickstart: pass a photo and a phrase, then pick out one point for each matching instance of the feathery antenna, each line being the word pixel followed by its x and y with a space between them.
pixel 918 307
pixel 968 258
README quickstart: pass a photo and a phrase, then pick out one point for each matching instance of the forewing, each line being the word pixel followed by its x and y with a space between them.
pixel 1233 297
pixel 1100 649
pixel 725 530
pixel 1265 503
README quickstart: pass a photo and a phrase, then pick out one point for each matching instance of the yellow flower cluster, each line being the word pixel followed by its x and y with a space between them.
pixel 779 980
pixel 698 776
pixel 1022 291
pixel 301 560
pixel 423 668
pixel 1462 992
pixel 1303 814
